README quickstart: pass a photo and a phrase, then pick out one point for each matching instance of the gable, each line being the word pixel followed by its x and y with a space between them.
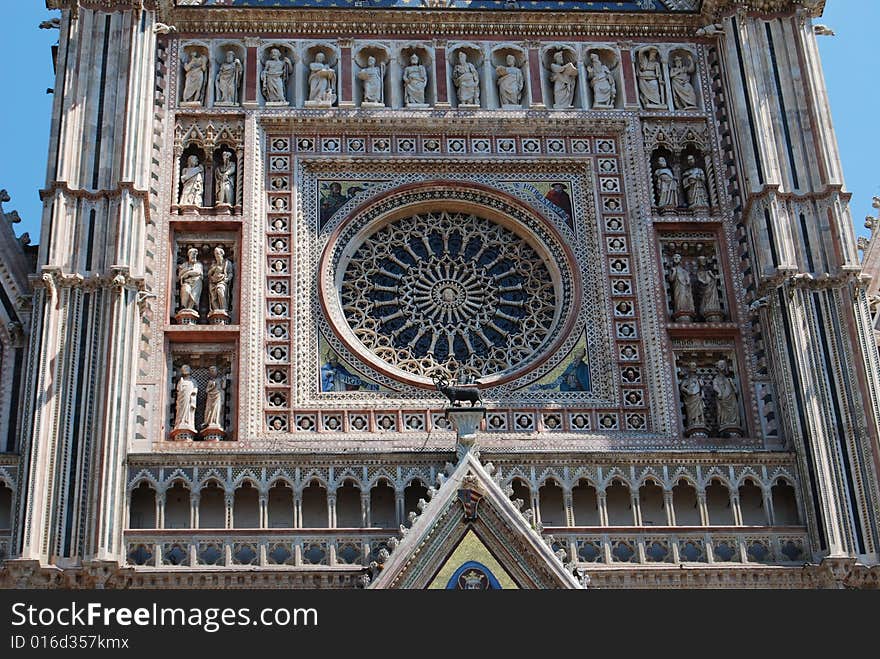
pixel 471 552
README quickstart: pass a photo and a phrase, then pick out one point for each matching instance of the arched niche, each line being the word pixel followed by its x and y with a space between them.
pixel 585 504
pixel 279 504
pixel 314 506
pixel 618 503
pixel 473 55
pixel 650 76
pixel 412 493
pixel 141 507
pixel 498 57
pixel 194 89
pixel 193 188
pixel 552 79
pixel 246 507
pixel 785 506
pixel 609 94
pixel 718 504
pixel 651 504
pixel 751 504
pixel 552 504
pixel 684 79
pixel 382 511
pixel 348 505
pixel 329 72
pixel 177 506
pixel 686 504
pixel 381 58
pixel 279 79
pixel 212 506
pixel 425 56
pixel 229 66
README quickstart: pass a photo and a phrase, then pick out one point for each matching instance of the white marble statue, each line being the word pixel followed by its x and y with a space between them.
pixel 692 396
pixel 694 182
pixel 322 82
pixel 510 83
pixel 187 393
pixel 224 180
pixel 684 97
pixel 415 80
pixel 276 71
pixel 652 90
pixel 192 183
pixel 707 284
pixel 667 185
pixel 214 391
pixel 195 73
pixel 190 275
pixel 682 290
pixel 219 278
pixel 373 78
pixel 466 80
pixel 726 403
pixel 228 82
pixel 563 76
pixel 602 83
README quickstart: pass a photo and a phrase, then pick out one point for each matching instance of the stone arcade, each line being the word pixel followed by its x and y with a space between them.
pixel 268 231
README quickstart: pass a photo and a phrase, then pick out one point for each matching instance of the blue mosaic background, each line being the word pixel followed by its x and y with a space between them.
pixel 544 5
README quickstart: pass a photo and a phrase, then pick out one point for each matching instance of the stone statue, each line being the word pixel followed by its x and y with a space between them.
pixel 563 75
pixel 322 81
pixel 415 79
pixel 683 95
pixel 228 82
pixel 276 71
pixel 602 82
pixel 667 185
pixel 195 73
pixel 190 274
pixel 373 79
pixel 652 91
pixel 707 283
pixel 214 390
pixel 726 403
pixel 694 406
pixel 224 180
pixel 694 182
pixel 192 183
pixel 466 81
pixel 219 279
pixel 187 392
pixel 682 292
pixel 510 83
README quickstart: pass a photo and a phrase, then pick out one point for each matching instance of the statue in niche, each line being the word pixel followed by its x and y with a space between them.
pixel 650 75
pixel 214 391
pixel 682 291
pixel 187 392
pixel 190 274
pixel 694 182
pixel 466 81
pixel 563 75
pixel 276 71
pixel 224 180
pixel 707 284
pixel 726 403
pixel 415 80
pixel 195 73
pixel 219 279
pixel 684 97
pixel 373 79
pixel 667 185
pixel 510 83
pixel 322 80
pixel 228 82
pixel 602 83
pixel 192 183
pixel 691 389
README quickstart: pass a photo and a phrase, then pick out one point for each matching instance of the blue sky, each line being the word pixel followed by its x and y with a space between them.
pixel 26 71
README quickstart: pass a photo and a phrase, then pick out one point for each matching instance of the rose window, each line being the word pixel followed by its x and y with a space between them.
pixel 445 292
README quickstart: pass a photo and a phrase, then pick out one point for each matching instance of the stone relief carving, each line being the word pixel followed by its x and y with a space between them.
pixel 510 83
pixel 372 77
pixel 602 83
pixel 415 80
pixel 681 72
pixel 563 75
pixel 695 283
pixel 195 75
pixel 228 82
pixel 652 85
pixel 322 82
pixel 192 183
pixel 466 79
pixel 276 71
pixel 710 403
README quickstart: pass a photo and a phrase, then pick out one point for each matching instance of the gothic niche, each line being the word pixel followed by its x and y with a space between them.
pixel 201 400
pixel 694 285
pixel 710 395
pixel 195 67
pixel 679 169
pixel 650 79
pixel 225 179
pixel 321 79
pixel 510 80
pixel 416 65
pixel 209 176
pixel 229 59
pixel 276 75
pixel 445 293
pixel 602 66
pixel 192 180
pixel 372 89
pixel 204 279
pixel 465 66
pixel 682 72
pixel 561 77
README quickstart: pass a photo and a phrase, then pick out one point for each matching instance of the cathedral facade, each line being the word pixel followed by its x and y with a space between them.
pixel 441 294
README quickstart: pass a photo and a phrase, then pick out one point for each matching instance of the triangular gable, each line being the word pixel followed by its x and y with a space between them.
pixel 471 519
